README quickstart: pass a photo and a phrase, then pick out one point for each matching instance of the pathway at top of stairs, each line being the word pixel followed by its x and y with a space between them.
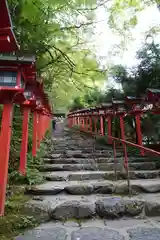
pixel 81 199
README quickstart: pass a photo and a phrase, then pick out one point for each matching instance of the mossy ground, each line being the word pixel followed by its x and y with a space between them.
pixel 15 220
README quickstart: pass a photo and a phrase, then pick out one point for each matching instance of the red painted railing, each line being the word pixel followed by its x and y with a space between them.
pixel 86 120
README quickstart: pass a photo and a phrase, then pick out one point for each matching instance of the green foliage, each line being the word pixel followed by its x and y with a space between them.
pixel 56 32
pixel 32 176
pixel 135 82
pixel 16 220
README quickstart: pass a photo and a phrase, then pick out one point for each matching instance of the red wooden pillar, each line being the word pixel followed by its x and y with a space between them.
pixel 72 121
pixel 39 129
pixel 5 149
pixel 101 126
pixel 139 133
pixel 90 123
pixel 126 165
pixel 86 123
pixel 109 125
pixel 123 138
pixel 95 124
pixel 24 144
pixel 81 123
pixel 34 137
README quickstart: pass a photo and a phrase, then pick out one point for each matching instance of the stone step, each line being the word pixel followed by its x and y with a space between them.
pixel 81 155
pixel 93 228
pixel 65 207
pixel 95 175
pixel 96 167
pixel 91 160
pixel 63 153
pixel 96 187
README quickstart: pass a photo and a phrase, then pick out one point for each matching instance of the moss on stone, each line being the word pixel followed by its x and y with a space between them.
pixel 15 220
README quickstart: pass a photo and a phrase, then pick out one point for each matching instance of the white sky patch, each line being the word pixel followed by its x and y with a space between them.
pixel 105 39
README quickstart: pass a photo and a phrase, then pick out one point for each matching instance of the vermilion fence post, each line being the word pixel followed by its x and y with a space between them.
pixel 78 120
pixel 5 149
pixel 39 130
pixel 24 144
pixel 70 121
pixel 125 151
pixel 101 126
pixel 81 123
pixel 73 121
pixel 95 124
pixel 34 137
pixel 114 153
pixel 85 123
pixel 90 123
pixel 109 126
pixel 115 161
pixel 139 133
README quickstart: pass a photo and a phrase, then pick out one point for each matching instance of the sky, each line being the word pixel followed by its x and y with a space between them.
pixel 105 39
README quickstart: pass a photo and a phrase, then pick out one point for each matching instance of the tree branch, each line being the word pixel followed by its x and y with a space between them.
pixel 95 8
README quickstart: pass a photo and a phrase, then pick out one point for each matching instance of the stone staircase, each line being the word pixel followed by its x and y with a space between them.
pixel 80 199
pixel 80 182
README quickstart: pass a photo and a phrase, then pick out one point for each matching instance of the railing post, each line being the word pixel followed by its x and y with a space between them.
pixel 90 123
pixel 78 120
pixel 84 124
pixel 101 126
pixel 39 129
pixel 34 137
pixel 126 165
pixel 5 149
pixel 95 124
pixel 139 133
pixel 109 126
pixel 24 144
pixel 114 153
pixel 69 122
pixel 87 125
pixel 81 123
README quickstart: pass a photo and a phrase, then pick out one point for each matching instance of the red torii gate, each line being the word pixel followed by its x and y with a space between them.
pixel 18 84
